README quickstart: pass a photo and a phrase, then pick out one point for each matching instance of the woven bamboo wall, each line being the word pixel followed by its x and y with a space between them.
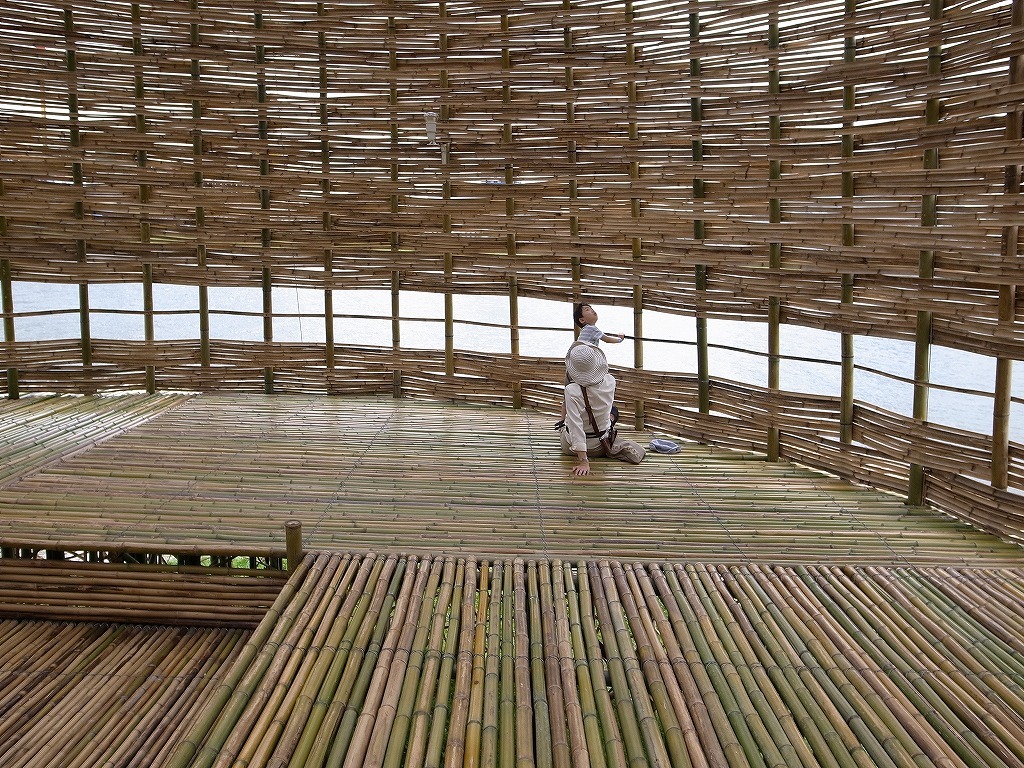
pixel 846 165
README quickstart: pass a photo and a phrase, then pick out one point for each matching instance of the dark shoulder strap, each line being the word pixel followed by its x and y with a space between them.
pixel 606 439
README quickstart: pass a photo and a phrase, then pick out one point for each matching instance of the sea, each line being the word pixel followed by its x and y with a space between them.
pixel 962 382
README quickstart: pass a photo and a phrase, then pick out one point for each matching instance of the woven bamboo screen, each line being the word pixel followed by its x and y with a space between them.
pixel 845 165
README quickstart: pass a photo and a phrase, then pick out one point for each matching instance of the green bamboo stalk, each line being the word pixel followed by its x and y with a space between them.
pixel 464 576
pixel 507 755
pixel 523 693
pixel 730 608
pixel 898 632
pixel 345 712
pixel 578 741
pixel 701 635
pixel 273 626
pixel 373 728
pixel 489 686
pixel 543 737
pixel 613 744
pixel 457 742
pixel 609 617
pixel 415 672
pixel 430 679
pixel 645 669
pixel 881 745
pixel 787 693
pixel 561 754
pixel 705 746
pixel 310 711
pixel 584 681
pixel 274 707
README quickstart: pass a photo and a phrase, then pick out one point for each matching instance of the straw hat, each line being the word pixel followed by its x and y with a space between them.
pixel 586 365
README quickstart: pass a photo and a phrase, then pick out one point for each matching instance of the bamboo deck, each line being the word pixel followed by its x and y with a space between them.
pixel 221 475
pixel 464 601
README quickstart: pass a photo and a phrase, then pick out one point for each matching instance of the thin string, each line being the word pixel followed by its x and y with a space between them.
pixel 744 557
pixel 355 465
pixel 536 483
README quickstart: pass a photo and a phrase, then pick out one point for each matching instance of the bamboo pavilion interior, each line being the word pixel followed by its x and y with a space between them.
pixel 278 482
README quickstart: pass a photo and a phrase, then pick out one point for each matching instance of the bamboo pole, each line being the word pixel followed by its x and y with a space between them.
pixel 187 751
pixel 7 304
pixel 464 577
pixel 513 313
pixel 460 744
pixel 544 738
pixel 699 223
pixel 431 679
pixel 325 740
pixel 1008 293
pixel 378 709
pixel 926 267
pixel 293 543
pixel 849 233
pixel 523 724
pixel 774 218
pixel 613 751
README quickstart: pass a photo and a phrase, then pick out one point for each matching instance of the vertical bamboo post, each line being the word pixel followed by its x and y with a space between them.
pixel 926 266
pixel 848 190
pixel 511 241
pixel 144 191
pixel 266 235
pixel 446 218
pixel 293 543
pixel 268 327
pixel 774 218
pixel 325 189
pixel 568 45
pixel 1008 293
pixel 7 298
pixel 513 314
pixel 150 330
pixel 396 331
pixel 635 203
pixel 78 181
pixel 197 179
pixel 703 366
pixel 699 227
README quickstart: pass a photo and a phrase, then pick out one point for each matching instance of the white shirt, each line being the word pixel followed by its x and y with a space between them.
pixel 577 422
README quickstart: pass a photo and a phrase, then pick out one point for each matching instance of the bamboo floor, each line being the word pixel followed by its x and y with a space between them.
pixel 702 609
pixel 222 475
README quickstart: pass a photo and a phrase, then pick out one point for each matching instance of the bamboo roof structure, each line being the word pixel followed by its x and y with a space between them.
pixel 238 528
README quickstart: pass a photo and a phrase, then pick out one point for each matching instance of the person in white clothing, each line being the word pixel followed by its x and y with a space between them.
pixel 591 384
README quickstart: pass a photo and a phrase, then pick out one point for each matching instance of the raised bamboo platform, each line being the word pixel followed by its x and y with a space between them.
pixel 221 475
pixel 464 600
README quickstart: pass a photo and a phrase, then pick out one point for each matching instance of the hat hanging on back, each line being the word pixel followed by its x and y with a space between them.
pixel 586 365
